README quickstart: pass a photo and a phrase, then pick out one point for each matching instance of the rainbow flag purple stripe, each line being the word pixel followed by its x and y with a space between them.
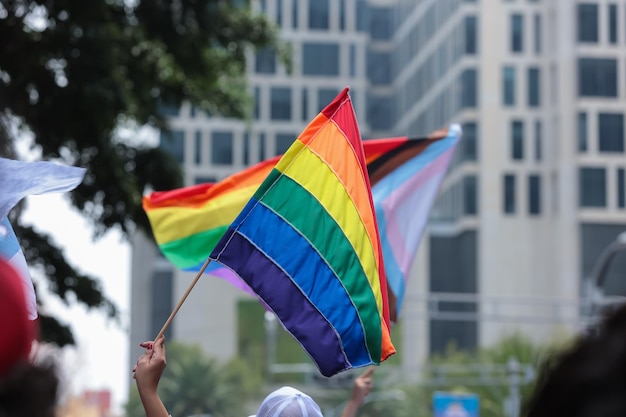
pixel 307 244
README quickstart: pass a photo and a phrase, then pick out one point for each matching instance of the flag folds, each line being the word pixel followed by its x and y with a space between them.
pixel 19 179
pixel 405 181
pixel 307 243
pixel 405 175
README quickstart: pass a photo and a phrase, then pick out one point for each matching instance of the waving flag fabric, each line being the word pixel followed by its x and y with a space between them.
pixel 405 181
pixel 17 180
pixel 188 222
pixel 307 243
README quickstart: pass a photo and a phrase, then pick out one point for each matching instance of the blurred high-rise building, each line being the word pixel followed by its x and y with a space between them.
pixel 535 192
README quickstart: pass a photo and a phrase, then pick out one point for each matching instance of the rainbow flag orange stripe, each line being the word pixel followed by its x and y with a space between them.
pixel 405 174
pixel 307 244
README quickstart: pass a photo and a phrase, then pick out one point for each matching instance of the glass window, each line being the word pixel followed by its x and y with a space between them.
pixel 198 148
pixel 318 14
pixel 611 132
pixel 320 59
pixel 261 146
pixel 161 301
pixel 257 103
pixel 509 194
pixel 597 77
pixel 534 87
pixel 294 13
pixel 517 140
pixel 246 148
pixel 538 140
pixel 283 142
pixel 379 67
pixel 534 194
pixel 470 195
pixel 582 132
pixel 173 142
pixel 265 61
pixel 325 96
pixel 352 62
pixel 305 104
pixel 470 34
pixel 537 30
pixel 381 23
pixel 380 112
pixel 592 187
pixel 469 88
pixel 469 142
pixel 613 23
pixel 222 148
pixel 517 33
pixel 621 188
pixel 279 12
pixel 508 86
pixel 587 22
pixel 280 108
pixel 342 14
pixel 204 179
pixel 168 109
pixel 362 15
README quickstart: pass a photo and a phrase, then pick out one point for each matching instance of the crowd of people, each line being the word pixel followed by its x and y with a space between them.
pixel 586 380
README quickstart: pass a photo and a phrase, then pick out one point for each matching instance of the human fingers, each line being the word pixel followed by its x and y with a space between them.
pixel 159 346
pixel 147 345
pixel 369 372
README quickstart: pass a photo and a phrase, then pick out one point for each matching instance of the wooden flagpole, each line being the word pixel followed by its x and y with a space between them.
pixel 182 299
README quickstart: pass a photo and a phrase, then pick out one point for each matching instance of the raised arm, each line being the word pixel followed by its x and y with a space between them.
pixel 147 374
pixel 362 387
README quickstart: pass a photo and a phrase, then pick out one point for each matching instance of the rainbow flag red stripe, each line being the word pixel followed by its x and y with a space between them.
pixel 307 244
pixel 188 222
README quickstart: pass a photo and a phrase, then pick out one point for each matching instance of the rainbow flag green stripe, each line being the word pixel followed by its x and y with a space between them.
pixel 191 251
pixel 334 305
pixel 328 238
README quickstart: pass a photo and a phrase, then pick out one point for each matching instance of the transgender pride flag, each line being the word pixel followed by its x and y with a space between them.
pixel 405 183
pixel 405 174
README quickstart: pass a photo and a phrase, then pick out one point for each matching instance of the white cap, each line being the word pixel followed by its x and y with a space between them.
pixel 288 402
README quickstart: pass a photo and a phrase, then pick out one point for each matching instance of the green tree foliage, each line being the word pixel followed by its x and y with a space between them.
pixel 73 72
pixel 485 373
pixel 194 384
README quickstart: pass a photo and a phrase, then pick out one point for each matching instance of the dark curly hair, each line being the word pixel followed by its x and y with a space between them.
pixel 29 390
pixel 588 379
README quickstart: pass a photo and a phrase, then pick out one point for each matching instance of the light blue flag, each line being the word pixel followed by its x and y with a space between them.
pixel 17 180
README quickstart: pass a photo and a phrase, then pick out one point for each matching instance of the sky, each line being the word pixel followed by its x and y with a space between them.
pixel 100 359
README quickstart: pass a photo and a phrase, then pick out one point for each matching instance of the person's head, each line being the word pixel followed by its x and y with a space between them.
pixel 288 402
pixel 589 379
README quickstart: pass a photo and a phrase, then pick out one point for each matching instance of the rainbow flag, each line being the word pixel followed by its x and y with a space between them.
pixel 188 222
pixel 307 243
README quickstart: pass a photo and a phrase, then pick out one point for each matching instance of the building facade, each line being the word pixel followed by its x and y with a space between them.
pixel 536 190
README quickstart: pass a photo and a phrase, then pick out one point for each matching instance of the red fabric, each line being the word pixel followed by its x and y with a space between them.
pixel 16 331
